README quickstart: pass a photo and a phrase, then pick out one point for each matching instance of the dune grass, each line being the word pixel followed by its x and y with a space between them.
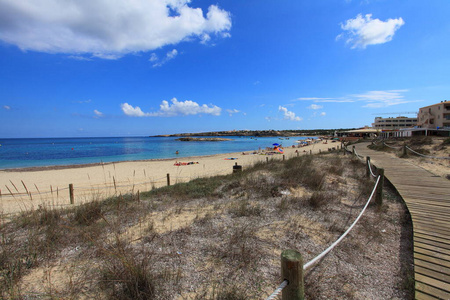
pixel 211 238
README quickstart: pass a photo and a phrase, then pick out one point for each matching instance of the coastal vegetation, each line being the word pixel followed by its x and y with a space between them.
pixel 430 152
pixel 215 238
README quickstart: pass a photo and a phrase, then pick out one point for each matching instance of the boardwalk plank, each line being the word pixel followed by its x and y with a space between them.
pixel 431 237
pixel 443 257
pixel 441 279
pixel 427 198
pixel 429 265
pixel 432 248
pixel 426 292
pixel 430 280
pixel 418 239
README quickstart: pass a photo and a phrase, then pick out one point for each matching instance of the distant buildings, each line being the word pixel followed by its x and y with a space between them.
pixel 431 120
pixel 356 134
pixel 435 116
pixel 394 123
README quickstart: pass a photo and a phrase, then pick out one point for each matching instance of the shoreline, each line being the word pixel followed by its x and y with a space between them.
pixel 23 189
pixel 95 161
pixel 86 165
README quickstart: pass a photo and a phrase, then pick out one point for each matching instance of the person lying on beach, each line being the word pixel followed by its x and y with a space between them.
pixel 185 163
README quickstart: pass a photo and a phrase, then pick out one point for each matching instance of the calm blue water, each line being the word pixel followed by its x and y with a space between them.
pixel 20 153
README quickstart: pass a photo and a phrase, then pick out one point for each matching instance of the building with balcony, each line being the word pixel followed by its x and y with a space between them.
pixel 435 116
pixel 394 123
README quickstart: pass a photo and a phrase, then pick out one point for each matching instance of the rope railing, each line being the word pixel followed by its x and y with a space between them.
pixel 398 148
pixel 359 156
pixel 326 251
pixel 370 169
pixel 314 261
pixel 278 290
pixel 427 156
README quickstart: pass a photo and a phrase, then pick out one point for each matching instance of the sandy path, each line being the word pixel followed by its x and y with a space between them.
pixel 51 187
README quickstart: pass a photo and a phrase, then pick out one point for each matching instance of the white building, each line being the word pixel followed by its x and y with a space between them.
pixel 394 123
pixel 435 116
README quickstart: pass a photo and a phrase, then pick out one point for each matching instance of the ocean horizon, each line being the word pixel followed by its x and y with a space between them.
pixel 43 152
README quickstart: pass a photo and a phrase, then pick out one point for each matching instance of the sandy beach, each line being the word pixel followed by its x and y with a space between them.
pixel 26 189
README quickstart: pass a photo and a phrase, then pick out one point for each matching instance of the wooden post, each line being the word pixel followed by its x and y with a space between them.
pixel 353 150
pixel 379 192
pixel 71 193
pixel 310 151
pixel 168 179
pixel 320 151
pixel 267 159
pixel 298 153
pixel 367 166
pixel 138 196
pixel 404 150
pixel 283 157
pixel 292 271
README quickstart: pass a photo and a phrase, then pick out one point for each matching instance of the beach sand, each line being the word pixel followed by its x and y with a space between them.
pixel 27 189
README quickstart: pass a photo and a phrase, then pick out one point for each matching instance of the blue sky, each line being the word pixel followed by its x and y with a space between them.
pixel 145 67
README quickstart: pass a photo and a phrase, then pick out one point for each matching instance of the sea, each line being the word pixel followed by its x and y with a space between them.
pixel 40 152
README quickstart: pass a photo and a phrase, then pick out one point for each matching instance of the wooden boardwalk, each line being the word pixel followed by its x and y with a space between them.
pixel 427 197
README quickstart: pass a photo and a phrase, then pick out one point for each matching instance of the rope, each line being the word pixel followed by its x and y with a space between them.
pixel 370 169
pixel 278 290
pixel 325 252
pixel 359 156
pixel 428 156
pixel 398 148
pixel 376 144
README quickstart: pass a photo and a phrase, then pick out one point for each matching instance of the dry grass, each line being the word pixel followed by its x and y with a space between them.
pixel 429 146
pixel 212 238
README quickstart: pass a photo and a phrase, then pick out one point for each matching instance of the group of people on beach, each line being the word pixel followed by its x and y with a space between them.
pixel 185 163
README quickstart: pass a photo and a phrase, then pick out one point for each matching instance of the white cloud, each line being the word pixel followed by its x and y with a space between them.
pixel 7 107
pixel 177 108
pixel 323 114
pixel 382 98
pixel 98 113
pixel 232 111
pixel 172 54
pixel 373 99
pixel 107 29
pixel 315 106
pixel 187 107
pixel 153 57
pixel 79 57
pixel 205 38
pixel 132 111
pixel 363 31
pixel 289 115
pixel 169 56
pixel 328 100
pixel 83 101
